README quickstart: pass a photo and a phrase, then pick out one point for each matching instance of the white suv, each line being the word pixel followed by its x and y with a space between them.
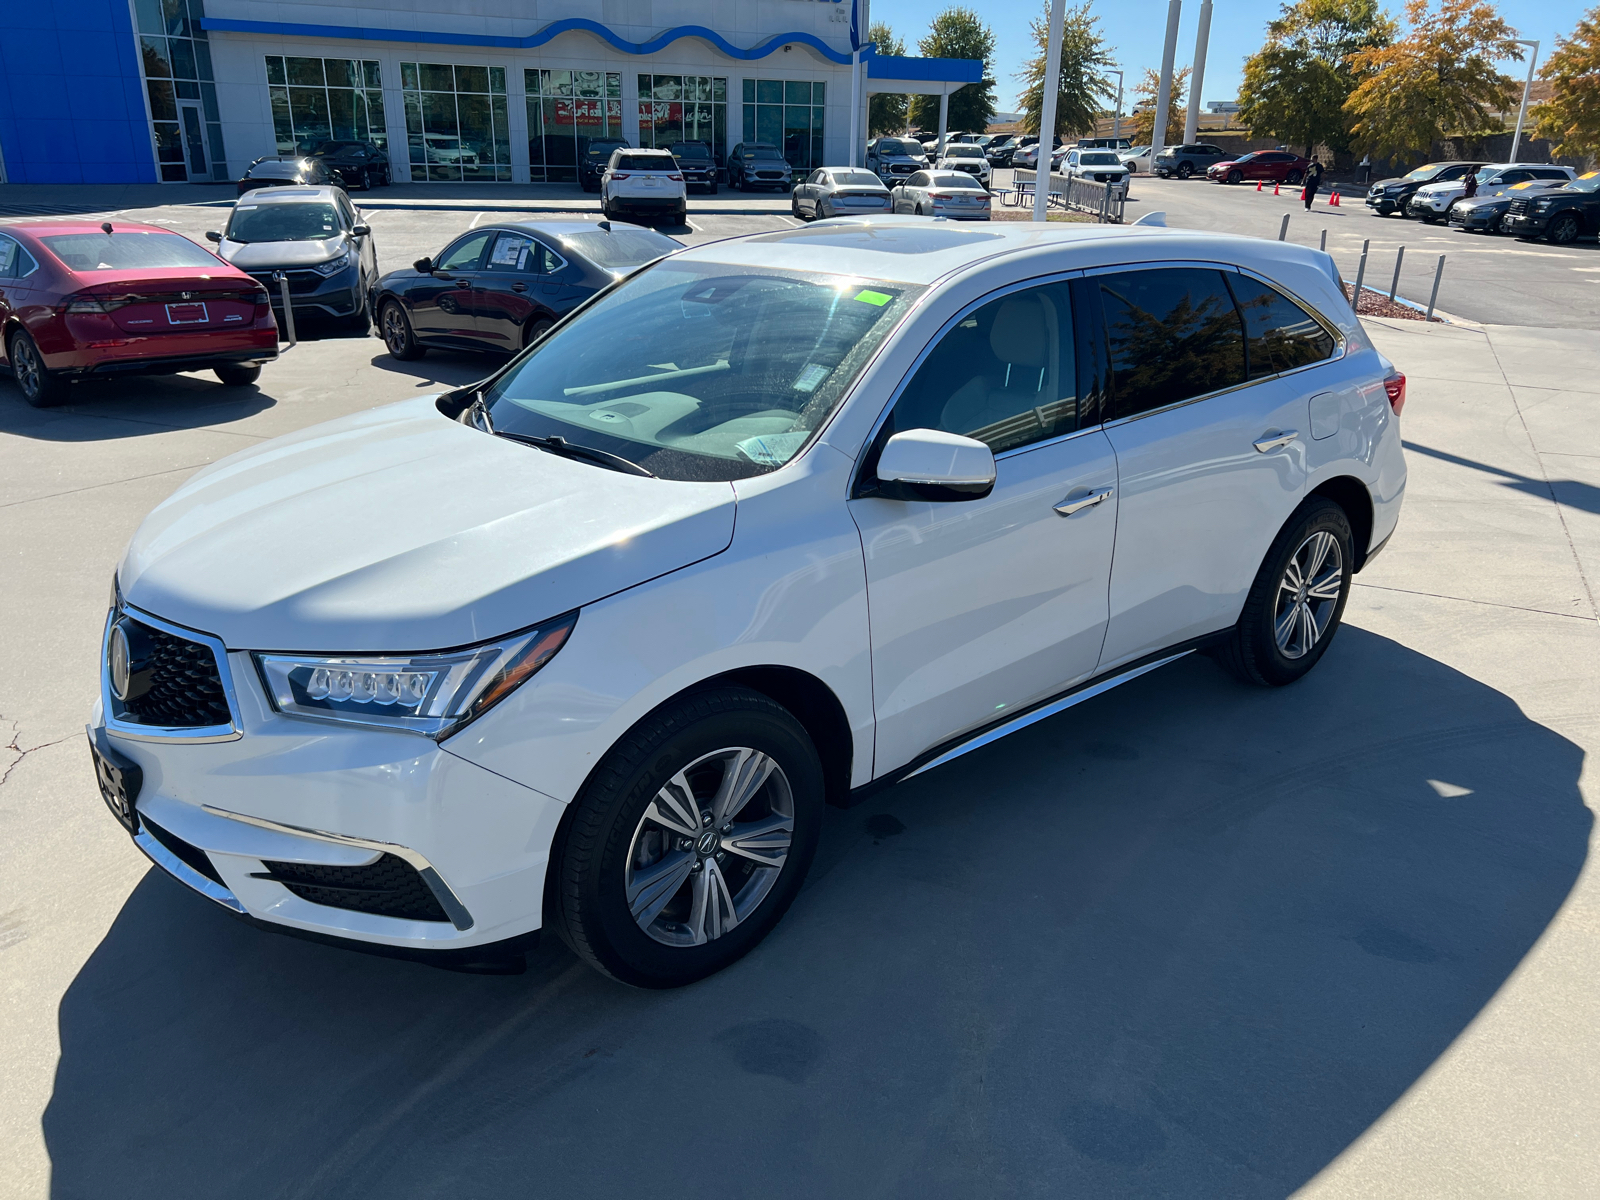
pixel 643 183
pixel 773 522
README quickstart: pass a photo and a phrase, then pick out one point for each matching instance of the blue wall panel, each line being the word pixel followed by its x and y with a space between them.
pixel 71 104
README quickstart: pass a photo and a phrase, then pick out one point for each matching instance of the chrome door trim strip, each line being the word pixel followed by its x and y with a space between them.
pixel 183 872
pixel 453 908
pixel 1040 713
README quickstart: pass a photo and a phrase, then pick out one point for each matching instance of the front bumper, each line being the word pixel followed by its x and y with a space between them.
pixel 1385 204
pixel 1528 224
pixel 311 294
pixel 223 816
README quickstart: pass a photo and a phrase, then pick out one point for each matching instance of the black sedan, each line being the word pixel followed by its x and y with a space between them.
pixel 287 170
pixel 359 164
pixel 500 287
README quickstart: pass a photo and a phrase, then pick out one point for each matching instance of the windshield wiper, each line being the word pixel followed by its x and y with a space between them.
pixel 556 444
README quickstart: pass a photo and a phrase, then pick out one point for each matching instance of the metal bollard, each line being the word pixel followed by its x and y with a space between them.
pixel 282 280
pixel 1394 286
pixel 1438 274
pixel 1283 230
pixel 1361 274
pixel 1324 246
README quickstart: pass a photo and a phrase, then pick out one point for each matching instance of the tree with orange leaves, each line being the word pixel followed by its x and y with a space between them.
pixel 1571 117
pixel 1439 79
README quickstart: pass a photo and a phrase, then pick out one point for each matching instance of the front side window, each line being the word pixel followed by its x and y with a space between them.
pixel 1173 334
pixel 1003 375
pixel 1280 334
pixel 9 257
pixel 282 223
pixel 127 249
pixel 464 255
pixel 701 371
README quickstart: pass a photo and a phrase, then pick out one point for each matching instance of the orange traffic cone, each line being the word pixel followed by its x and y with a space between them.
pixel 1275 188
pixel 1259 184
pixel 1333 201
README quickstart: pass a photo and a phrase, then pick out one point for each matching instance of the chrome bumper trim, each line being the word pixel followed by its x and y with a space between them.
pixel 454 909
pixel 183 872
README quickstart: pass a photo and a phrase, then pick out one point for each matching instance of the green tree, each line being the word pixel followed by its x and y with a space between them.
pixel 1083 81
pixel 1571 117
pixel 958 33
pixel 1143 122
pixel 887 111
pixel 1296 85
pixel 1439 79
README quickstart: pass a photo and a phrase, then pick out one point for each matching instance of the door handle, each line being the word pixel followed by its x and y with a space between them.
pixel 519 287
pixel 1067 507
pixel 463 283
pixel 1275 441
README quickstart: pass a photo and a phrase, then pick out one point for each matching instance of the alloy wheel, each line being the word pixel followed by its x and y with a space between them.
pixel 709 847
pixel 1564 230
pixel 1308 594
pixel 395 334
pixel 27 368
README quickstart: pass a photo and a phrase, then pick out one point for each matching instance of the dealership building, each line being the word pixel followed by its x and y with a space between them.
pixel 507 91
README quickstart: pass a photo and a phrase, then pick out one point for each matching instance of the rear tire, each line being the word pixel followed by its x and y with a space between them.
pixel 536 329
pixel 238 376
pixel 656 906
pixel 1297 600
pixel 1185 170
pixel 1293 178
pixel 397 333
pixel 41 388
pixel 1563 231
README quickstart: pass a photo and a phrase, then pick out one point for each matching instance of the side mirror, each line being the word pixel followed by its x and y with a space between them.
pixel 424 265
pixel 213 236
pixel 927 464
pixel 360 230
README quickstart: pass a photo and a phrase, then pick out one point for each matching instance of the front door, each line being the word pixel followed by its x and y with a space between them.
pixel 194 146
pixel 1211 457
pixel 441 303
pixel 979 608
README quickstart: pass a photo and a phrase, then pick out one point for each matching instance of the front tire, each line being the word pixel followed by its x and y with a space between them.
pixel 689 841
pixel 238 376
pixel 1185 170
pixel 40 387
pixel 397 332
pixel 1235 176
pixel 1298 598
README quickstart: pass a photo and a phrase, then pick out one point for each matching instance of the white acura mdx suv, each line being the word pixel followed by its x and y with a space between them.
pixel 770 523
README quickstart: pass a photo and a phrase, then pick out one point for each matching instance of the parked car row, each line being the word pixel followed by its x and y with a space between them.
pixel 1530 200
pixel 346 164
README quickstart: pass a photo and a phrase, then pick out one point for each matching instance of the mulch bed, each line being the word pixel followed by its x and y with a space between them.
pixel 1377 304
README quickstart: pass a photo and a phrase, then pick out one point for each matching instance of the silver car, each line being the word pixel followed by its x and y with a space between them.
pixel 836 192
pixel 942 194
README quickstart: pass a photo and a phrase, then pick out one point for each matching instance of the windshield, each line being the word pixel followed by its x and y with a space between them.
pixel 337 148
pixel 856 179
pixel 762 152
pixel 1100 160
pixel 1584 183
pixel 274 170
pixel 691 150
pixel 701 371
pixel 604 149
pixel 903 147
pixel 962 152
pixel 1138 151
pixel 127 249
pixel 1426 171
pixel 620 249
pixel 283 223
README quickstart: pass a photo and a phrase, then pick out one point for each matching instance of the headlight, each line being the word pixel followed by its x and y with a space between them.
pixel 430 694
pixel 1541 205
pixel 334 265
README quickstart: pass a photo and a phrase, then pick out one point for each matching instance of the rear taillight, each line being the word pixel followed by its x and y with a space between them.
pixel 675 178
pixel 1395 386
pixel 84 304
pixel 618 175
pixel 263 303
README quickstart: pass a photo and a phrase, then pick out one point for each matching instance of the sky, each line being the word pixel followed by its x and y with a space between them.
pixel 1137 28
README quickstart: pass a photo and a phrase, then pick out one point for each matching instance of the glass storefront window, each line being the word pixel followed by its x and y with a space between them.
pixel 684 108
pixel 787 114
pixel 176 57
pixel 566 111
pixel 316 100
pixel 456 122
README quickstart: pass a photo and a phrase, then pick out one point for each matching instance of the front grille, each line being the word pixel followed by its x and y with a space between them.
pixel 390 887
pixel 299 282
pixel 185 685
pixel 769 174
pixel 191 856
pixel 1519 208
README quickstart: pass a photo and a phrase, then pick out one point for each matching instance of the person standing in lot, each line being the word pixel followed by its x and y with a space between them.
pixel 1313 178
pixel 1472 184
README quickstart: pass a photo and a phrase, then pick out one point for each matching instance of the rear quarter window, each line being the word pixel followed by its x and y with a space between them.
pixel 1279 334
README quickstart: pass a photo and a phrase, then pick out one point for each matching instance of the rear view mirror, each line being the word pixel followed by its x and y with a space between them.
pixel 928 464
pixel 424 265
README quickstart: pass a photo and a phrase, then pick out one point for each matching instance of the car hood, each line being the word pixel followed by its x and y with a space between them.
pixel 398 530
pixel 254 256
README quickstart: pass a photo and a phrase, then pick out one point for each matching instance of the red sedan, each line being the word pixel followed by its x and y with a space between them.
pixel 80 299
pixel 1273 166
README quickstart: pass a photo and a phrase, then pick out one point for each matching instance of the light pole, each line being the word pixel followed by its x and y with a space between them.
pixel 1047 110
pixel 1522 112
pixel 1116 121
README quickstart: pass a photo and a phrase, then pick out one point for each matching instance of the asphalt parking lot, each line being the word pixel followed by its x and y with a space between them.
pixel 1188 939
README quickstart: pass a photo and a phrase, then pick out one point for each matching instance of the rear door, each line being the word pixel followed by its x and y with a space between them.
pixel 441 303
pixel 521 281
pixel 1210 464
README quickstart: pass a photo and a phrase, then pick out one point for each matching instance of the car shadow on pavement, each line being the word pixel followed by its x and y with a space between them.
pixel 448 368
pixel 1189 939
pixel 1571 492
pixel 106 410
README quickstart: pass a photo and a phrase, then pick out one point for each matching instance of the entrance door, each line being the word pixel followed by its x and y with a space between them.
pixel 194 142
pixel 981 607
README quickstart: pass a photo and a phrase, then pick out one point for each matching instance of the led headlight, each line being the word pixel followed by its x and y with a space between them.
pixel 430 694
pixel 334 265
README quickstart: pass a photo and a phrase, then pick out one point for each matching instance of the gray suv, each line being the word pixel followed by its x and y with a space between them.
pixel 891 159
pixel 1184 161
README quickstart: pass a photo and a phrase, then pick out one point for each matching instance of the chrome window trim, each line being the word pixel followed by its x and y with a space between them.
pixel 1341 343
pixel 454 909
pixel 187 734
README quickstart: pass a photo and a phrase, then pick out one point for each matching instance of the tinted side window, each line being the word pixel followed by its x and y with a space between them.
pixel 1173 333
pixel 8 258
pixel 1281 335
pixel 1005 375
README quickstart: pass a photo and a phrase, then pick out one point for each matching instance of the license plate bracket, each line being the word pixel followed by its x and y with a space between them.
pixel 120 780
pixel 193 313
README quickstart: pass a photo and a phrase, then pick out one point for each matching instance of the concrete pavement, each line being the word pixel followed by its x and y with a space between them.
pixel 1188 939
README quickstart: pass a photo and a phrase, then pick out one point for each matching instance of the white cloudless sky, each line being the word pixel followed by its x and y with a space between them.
pixel 1137 28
